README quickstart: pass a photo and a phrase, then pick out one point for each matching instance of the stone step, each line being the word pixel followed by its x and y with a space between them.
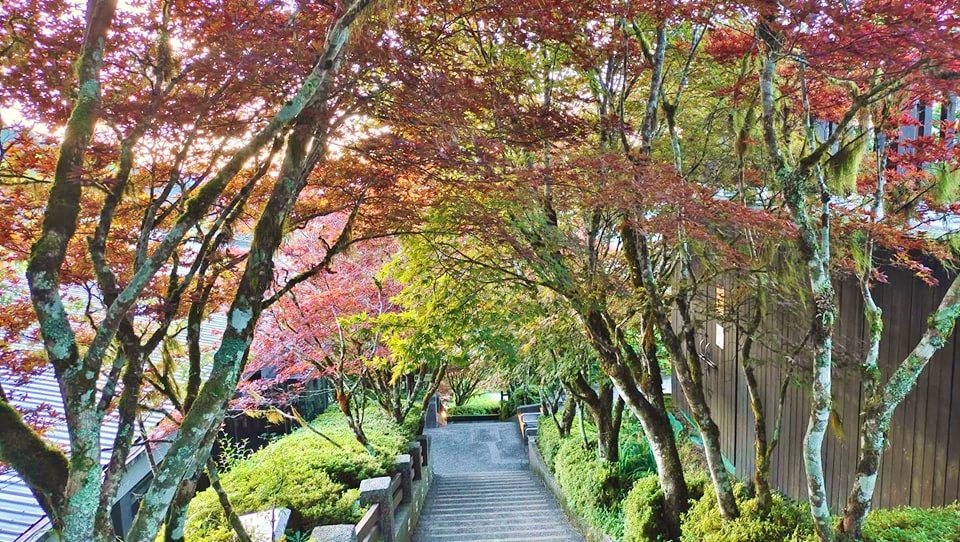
pixel 485 507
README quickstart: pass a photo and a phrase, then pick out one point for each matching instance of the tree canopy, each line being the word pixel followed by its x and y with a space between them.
pixel 563 180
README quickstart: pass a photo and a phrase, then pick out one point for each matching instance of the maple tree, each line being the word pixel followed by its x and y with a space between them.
pixel 561 210
pixel 342 325
pixel 850 80
pixel 520 202
pixel 166 150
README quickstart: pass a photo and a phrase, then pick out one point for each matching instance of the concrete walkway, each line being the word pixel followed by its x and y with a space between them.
pixel 484 491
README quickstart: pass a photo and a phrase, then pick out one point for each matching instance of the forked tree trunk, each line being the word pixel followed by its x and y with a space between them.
pixel 814 242
pixel 306 108
pixel 882 401
pixel 686 362
pixel 687 369
pixel 649 407
pixel 605 412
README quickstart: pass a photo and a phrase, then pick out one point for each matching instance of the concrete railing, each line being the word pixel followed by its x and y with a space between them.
pixel 395 501
pixel 528 416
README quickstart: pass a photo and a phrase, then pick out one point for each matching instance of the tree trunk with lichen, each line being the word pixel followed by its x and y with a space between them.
pixel 685 361
pixel 825 313
pixel 567 416
pixel 882 400
pixel 307 109
pixel 74 514
pixel 814 243
pixel 763 444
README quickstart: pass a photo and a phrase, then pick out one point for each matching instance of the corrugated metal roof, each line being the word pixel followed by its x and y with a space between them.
pixel 19 511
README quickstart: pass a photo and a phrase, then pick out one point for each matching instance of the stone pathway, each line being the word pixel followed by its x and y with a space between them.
pixel 484 490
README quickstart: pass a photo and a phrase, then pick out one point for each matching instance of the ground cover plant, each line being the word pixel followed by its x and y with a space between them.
pixel 317 480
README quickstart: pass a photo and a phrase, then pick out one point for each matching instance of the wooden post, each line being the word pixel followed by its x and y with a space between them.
pixel 416 453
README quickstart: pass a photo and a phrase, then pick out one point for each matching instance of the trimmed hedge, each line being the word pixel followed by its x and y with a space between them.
pixel 594 492
pixel 525 395
pixel 548 442
pixel 591 487
pixel 303 472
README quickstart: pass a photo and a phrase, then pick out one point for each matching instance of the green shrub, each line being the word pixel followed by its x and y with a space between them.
pixel 913 525
pixel 643 507
pixel 643 511
pixel 304 472
pixel 787 521
pixel 523 395
pixel 548 442
pixel 591 487
pixel 413 423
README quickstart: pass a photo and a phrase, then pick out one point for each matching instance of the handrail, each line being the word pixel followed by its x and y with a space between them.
pixel 396 489
pixel 368 528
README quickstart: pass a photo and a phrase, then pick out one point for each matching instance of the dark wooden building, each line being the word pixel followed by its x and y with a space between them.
pixel 920 467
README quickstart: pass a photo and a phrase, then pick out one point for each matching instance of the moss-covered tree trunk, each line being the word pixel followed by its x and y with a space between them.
pixel 814 242
pixel 762 444
pixel 175 519
pixel 567 416
pixel 686 362
pixel 74 500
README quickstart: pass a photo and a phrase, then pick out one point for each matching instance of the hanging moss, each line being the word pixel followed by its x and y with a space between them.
pixel 946 183
pixel 843 167
pixel 858 251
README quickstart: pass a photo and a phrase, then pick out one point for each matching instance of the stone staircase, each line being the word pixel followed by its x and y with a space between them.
pixel 504 506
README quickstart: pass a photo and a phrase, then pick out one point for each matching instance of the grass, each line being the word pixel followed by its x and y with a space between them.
pixel 485 403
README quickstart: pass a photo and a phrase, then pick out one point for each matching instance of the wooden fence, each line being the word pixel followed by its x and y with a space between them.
pixel 920 467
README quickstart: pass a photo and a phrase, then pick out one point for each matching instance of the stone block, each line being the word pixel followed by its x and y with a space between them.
pixel 266 526
pixel 375 490
pixel 404 465
pixel 424 441
pixel 432 416
pixel 334 533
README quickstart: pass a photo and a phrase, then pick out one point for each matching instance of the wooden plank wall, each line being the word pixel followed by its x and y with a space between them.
pixel 921 466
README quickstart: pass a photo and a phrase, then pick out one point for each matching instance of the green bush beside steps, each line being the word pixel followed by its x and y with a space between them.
pixel 624 501
pixel 304 472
